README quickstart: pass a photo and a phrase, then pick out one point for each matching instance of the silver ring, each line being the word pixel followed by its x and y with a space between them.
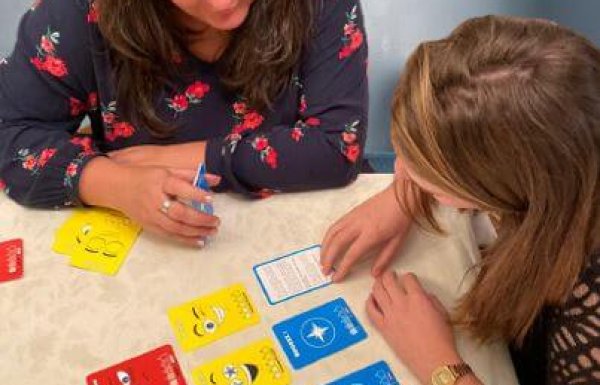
pixel 165 206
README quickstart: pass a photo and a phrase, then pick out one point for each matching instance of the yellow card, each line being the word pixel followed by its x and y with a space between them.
pixel 204 320
pixel 65 240
pixel 97 239
pixel 256 364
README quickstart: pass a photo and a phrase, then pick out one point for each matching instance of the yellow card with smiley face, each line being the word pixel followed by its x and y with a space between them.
pixel 204 320
pixel 97 239
pixel 256 364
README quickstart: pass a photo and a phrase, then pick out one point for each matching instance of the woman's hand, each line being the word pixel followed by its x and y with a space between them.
pixel 141 193
pixel 414 324
pixel 376 226
pixel 183 156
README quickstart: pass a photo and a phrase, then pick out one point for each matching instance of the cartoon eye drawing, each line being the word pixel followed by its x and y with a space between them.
pixel 123 377
pixel 230 372
pixel 210 326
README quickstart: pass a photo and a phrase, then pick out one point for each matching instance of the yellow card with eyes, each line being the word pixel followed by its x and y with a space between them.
pixel 204 320
pixel 97 239
pixel 256 364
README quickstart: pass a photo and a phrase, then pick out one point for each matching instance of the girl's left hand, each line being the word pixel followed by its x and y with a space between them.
pixel 414 324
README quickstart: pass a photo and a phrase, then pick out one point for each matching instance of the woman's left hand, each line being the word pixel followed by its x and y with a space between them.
pixel 177 156
pixel 414 324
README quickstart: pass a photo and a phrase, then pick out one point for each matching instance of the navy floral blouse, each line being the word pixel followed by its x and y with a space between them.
pixel 60 72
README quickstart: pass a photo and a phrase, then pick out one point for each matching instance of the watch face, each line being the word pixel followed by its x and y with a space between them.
pixel 443 376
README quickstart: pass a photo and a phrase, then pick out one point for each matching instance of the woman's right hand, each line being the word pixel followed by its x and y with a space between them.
pixel 376 227
pixel 139 192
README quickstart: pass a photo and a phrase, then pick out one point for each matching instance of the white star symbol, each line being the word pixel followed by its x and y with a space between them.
pixel 318 332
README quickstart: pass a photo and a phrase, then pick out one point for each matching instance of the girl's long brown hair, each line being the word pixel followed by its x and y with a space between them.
pixel 145 36
pixel 505 113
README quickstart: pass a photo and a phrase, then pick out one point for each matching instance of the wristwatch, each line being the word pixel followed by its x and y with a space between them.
pixel 449 374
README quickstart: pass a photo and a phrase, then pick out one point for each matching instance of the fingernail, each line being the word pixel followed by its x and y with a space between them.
pixel 208 198
pixel 201 243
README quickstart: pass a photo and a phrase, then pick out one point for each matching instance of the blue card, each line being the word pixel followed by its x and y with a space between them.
pixel 318 333
pixel 201 183
pixel 376 374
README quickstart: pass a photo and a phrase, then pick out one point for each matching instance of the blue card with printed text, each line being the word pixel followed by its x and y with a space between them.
pixel 315 334
pixel 376 374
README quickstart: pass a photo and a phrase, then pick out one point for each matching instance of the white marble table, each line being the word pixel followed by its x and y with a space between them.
pixel 59 324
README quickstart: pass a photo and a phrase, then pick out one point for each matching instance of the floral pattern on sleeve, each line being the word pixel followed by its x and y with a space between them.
pixel 353 37
pixel 268 154
pixel 193 95
pixel 77 107
pixel 245 120
pixel 302 125
pixel 34 162
pixel 113 127
pixel 46 59
pixel 349 143
pixel 35 4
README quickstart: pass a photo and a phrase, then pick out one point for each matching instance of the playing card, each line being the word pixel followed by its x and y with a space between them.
pixel 97 239
pixel 201 183
pixel 157 367
pixel 206 319
pixel 318 333
pixel 256 364
pixel 291 275
pixel 376 374
pixel 11 260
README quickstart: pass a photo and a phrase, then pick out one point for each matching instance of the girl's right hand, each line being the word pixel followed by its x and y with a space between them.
pixel 376 227
pixel 150 188
pixel 141 192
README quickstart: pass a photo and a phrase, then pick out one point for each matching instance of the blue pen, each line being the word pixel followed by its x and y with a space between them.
pixel 201 183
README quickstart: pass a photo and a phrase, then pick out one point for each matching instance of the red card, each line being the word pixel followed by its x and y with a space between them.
pixel 11 260
pixel 157 367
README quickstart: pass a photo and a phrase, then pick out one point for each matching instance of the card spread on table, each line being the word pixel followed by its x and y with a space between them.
pixel 318 333
pixel 376 374
pixel 255 364
pixel 291 275
pixel 157 367
pixel 201 183
pixel 11 260
pixel 97 239
pixel 209 318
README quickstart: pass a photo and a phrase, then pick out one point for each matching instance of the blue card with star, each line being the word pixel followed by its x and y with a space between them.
pixel 376 374
pixel 315 334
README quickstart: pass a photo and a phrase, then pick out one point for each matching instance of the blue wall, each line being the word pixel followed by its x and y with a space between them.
pixel 395 27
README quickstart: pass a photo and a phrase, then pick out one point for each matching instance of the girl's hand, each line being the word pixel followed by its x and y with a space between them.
pixel 147 190
pixel 414 324
pixel 376 226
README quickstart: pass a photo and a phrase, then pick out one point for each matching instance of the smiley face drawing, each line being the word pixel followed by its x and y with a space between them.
pixel 244 374
pixel 204 320
pixel 256 364
pixel 209 319
pixel 101 243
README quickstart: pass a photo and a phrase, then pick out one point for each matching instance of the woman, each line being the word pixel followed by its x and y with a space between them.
pixel 271 95
pixel 502 116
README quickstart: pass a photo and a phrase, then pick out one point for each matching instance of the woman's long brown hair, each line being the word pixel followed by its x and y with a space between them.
pixel 145 36
pixel 505 113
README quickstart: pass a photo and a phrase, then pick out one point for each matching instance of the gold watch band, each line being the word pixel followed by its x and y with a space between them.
pixel 460 370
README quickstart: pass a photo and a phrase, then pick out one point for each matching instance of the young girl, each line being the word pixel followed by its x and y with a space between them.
pixel 270 94
pixel 502 116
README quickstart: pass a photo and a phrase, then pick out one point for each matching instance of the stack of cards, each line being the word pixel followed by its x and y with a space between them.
pixel 11 260
pixel 201 183
pixel 157 367
pixel 202 321
pixel 96 240
pixel 256 364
